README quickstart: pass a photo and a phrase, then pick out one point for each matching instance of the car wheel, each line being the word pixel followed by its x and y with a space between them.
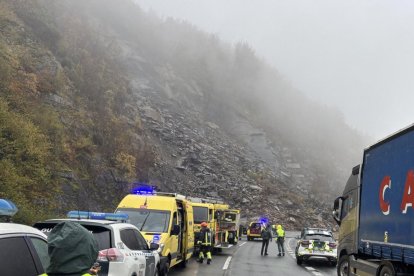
pixel 183 264
pixel 387 270
pixel 299 260
pixel 165 269
pixel 343 266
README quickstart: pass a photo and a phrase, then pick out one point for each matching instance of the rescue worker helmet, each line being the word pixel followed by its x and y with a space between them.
pixel 204 224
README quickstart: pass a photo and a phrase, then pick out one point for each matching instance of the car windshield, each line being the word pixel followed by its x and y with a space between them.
pixel 148 220
pixel 101 234
pixel 319 237
pixel 255 226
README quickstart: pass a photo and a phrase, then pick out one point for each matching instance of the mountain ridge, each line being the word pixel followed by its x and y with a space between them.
pixel 122 97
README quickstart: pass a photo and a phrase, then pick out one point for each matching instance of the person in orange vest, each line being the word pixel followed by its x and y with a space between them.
pixel 205 243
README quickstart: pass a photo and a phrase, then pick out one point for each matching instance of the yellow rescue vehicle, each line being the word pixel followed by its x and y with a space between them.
pixel 230 223
pixel 202 212
pixel 163 218
pixel 222 221
pixel 254 230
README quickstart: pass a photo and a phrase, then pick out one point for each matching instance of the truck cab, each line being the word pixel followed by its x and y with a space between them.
pixel 375 212
pixel 163 218
pixel 346 211
pixel 203 212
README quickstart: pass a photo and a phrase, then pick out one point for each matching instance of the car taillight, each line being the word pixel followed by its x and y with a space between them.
pixel 304 243
pixel 332 245
pixel 110 255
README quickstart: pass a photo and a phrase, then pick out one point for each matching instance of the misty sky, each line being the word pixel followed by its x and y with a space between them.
pixel 356 55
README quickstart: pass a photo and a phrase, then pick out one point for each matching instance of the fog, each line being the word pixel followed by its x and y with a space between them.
pixel 356 56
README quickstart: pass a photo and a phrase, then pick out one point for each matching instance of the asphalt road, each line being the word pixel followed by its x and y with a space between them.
pixel 244 259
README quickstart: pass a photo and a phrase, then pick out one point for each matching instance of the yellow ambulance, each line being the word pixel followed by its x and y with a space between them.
pixel 163 218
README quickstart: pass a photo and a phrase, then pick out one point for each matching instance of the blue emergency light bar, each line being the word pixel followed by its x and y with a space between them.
pixel 7 208
pixel 98 216
pixel 263 220
pixel 144 189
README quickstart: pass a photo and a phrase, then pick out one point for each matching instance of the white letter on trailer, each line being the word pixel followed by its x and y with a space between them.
pixel 384 205
pixel 408 196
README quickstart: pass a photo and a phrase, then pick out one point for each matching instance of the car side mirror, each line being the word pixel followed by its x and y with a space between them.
pixel 175 230
pixel 154 246
pixel 336 212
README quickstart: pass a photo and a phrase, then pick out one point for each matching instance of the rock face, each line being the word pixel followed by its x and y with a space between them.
pixel 202 158
pixel 183 123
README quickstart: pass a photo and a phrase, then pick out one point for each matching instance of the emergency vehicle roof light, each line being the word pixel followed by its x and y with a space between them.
pixel 7 208
pixel 263 220
pixel 144 189
pixel 98 216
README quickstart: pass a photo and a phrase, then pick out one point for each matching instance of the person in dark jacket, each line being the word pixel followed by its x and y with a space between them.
pixel 266 235
pixel 72 250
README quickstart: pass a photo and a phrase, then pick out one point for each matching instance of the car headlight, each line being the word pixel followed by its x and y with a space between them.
pixel 161 248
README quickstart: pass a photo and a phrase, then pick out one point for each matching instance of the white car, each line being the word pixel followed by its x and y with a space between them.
pixel 23 249
pixel 316 243
pixel 122 248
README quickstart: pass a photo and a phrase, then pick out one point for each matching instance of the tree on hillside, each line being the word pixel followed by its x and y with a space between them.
pixel 25 175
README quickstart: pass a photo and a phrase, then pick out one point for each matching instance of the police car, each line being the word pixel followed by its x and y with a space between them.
pixel 122 248
pixel 316 243
pixel 23 249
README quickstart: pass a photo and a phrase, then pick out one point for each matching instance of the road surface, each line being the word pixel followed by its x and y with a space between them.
pixel 244 259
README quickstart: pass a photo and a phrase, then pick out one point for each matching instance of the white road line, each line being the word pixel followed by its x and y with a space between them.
pixel 310 268
pixel 243 244
pixel 289 249
pixel 227 263
pixel 317 273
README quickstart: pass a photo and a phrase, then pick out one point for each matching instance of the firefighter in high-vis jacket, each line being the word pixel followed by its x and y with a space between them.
pixel 205 243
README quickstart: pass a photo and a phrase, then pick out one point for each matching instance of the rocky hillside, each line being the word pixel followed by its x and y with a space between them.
pixel 105 96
